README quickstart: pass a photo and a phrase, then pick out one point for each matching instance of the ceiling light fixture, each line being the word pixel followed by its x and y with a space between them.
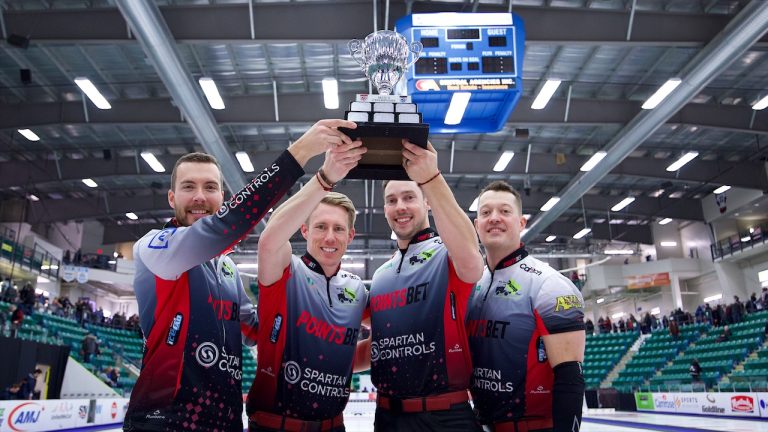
pixel 549 204
pixel 459 102
pixel 211 93
pixel 545 94
pixel 503 161
pixel 721 189
pixel 28 134
pixel 594 160
pixel 93 93
pixel 662 93
pixel 550 238
pixel 761 104
pixel 623 203
pixel 684 159
pixel 131 216
pixel 668 244
pixel 152 161
pixel 90 183
pixel 245 161
pixel 600 300
pixel 473 206
pixel 582 233
pixel 665 221
pixel 331 93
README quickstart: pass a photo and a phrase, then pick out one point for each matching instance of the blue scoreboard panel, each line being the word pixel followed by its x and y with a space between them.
pixel 479 55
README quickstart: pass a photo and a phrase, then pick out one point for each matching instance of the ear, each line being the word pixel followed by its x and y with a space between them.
pixel 475 222
pixel 304 231
pixel 351 235
pixel 171 199
pixel 523 223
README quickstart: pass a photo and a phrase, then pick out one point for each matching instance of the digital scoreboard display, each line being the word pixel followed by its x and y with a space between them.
pixel 480 53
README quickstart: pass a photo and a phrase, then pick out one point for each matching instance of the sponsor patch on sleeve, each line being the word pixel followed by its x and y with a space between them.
pixel 160 240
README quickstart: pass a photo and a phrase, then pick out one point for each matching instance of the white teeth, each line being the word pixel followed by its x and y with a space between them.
pixel 198 211
pixel 403 220
pixel 329 249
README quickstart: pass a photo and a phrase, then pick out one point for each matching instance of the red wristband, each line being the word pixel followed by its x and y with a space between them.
pixel 430 179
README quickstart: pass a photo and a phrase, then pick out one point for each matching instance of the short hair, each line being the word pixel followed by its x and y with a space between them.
pixel 196 157
pixel 343 201
pixel 502 186
pixel 384 184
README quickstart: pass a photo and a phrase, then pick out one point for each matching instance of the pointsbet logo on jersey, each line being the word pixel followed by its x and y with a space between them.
pixel 564 303
pixel 509 289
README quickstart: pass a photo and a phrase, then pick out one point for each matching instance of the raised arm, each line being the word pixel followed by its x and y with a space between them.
pixel 455 228
pixel 274 244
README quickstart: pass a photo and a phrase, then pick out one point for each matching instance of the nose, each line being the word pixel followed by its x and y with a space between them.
pixel 329 238
pixel 198 196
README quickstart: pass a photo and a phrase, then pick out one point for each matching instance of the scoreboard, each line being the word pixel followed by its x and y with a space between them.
pixel 477 54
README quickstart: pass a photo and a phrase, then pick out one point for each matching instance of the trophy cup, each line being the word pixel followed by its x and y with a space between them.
pixel 384 119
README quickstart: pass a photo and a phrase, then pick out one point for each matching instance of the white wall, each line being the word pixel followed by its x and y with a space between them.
pixel 667 233
pixel 67 236
pixel 696 236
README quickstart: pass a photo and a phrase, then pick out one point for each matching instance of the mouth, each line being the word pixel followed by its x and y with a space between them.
pixel 495 230
pixel 403 220
pixel 328 250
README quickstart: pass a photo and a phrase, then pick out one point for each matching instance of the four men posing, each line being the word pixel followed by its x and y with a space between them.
pixel 513 334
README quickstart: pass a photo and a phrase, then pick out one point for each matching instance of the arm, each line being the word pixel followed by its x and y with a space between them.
pixel 171 252
pixel 560 306
pixel 249 319
pixel 362 356
pixel 455 228
pixel 274 246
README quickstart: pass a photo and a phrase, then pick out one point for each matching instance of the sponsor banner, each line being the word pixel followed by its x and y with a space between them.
pixel 715 404
pixel 110 411
pixel 34 415
pixel 648 281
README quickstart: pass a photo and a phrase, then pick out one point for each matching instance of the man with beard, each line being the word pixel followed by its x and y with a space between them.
pixel 310 309
pixel 420 362
pixel 192 305
pixel 526 329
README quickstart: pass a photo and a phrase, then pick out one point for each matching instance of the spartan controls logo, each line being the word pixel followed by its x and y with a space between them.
pixel 207 354
pixel 248 190
pixel 374 351
pixel 292 372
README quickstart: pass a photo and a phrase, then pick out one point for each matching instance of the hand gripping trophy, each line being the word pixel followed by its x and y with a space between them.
pixel 384 119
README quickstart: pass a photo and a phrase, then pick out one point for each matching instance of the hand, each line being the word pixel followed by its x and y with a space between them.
pixel 322 136
pixel 420 163
pixel 341 159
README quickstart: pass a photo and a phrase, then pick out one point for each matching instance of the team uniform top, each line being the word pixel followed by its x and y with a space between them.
pixel 417 306
pixel 510 310
pixel 307 342
pixel 192 310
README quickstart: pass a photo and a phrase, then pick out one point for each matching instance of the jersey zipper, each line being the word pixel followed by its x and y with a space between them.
pixel 402 257
pixel 490 284
pixel 328 291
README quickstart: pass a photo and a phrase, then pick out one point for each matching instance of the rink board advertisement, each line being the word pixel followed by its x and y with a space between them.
pixel 716 404
pixel 46 415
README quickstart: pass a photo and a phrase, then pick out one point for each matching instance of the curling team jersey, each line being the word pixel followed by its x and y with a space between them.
pixel 309 329
pixel 510 309
pixel 417 306
pixel 193 309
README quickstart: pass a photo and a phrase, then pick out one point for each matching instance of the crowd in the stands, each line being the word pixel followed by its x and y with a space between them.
pixel 719 315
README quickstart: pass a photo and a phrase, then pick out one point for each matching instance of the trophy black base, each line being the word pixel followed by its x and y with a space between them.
pixel 384 158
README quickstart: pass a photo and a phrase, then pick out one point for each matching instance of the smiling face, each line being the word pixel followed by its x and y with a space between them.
pixel 499 222
pixel 196 193
pixel 405 209
pixel 328 234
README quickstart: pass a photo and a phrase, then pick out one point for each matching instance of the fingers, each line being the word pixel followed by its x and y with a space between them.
pixel 337 123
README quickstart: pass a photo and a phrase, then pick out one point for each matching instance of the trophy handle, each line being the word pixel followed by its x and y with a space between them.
pixel 356 51
pixel 416 48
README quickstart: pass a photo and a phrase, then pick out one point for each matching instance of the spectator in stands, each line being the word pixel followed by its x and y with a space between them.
pixel 11 392
pixel 67 257
pixel 27 298
pixel 751 305
pixel 622 325
pixel 607 327
pixel 674 329
pixel 631 323
pixel 600 325
pixel 3 321
pixel 78 256
pixel 764 298
pixel 118 320
pixel 17 318
pixel 699 314
pixel 589 326
pixel 28 385
pixel 114 376
pixel 105 375
pixel 719 315
pixel 708 313
pixel 664 321
pixel 737 310
pixel 645 327
pixel 9 291
pixel 89 347
pixel 695 370
pixel 725 336
pixel 655 323
pixel 98 316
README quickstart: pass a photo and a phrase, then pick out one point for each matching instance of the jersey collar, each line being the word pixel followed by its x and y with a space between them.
pixel 173 223
pixel 423 235
pixel 315 266
pixel 513 258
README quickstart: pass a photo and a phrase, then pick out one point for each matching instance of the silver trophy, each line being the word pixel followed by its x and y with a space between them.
pixel 383 120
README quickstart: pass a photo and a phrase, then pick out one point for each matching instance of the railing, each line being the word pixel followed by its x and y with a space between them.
pixel 738 243
pixel 30 259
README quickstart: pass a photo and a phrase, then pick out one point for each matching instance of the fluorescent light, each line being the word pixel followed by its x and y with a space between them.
pixel 668 244
pixel 745 239
pixel 245 161
pixel 545 94
pixel 524 231
pixel 152 161
pixel 582 233
pixel 600 300
pixel 594 160
pixel 761 104
pixel 353 265
pixel 41 279
pixel 459 102
pixel 656 311
pixel 713 298
pixel 665 221
pixel 211 93
pixel 503 161
pixel 248 265
pixel 617 315
pixel 131 216
pixel 662 93
pixel 92 92
pixel 453 19
pixel 112 262
pixel 550 238
pixel 623 203
pixel 751 230
pixel 28 134
pixel 33 197
pixel 549 204
pixel 473 206
pixel 721 189
pixel 331 93
pixel 684 159
pixel 527 216
pixel 90 183
pixel 618 252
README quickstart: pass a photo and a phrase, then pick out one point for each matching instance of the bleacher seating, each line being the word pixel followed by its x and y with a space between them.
pixel 602 353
